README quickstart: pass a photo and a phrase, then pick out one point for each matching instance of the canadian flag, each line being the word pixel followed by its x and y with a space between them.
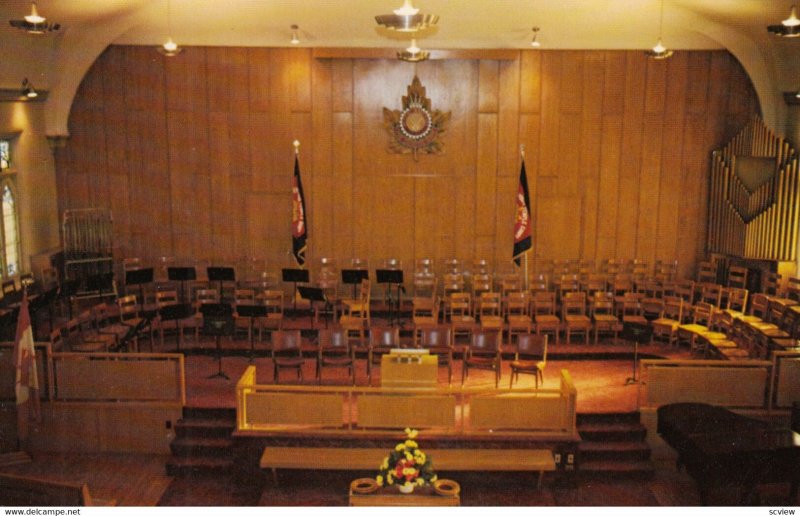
pixel 27 381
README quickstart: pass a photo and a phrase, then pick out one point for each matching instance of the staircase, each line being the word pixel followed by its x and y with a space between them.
pixel 613 446
pixel 203 442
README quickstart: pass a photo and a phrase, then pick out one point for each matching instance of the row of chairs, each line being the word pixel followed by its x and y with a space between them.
pixel 335 349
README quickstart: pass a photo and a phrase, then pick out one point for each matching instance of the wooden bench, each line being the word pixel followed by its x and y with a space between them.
pixel 22 491
pixel 451 459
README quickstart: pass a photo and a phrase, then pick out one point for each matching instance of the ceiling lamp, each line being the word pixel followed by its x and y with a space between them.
pixel 33 23
pixel 789 28
pixel 170 48
pixel 535 42
pixel 659 51
pixel 28 91
pixel 407 19
pixel 295 38
pixel 413 54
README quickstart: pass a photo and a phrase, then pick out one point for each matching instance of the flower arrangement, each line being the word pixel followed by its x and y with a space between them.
pixel 406 465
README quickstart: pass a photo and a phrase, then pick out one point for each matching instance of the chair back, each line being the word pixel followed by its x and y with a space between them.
pixel 244 296
pixel 384 337
pixel 518 303
pixel 673 308
pixel 737 299
pixel 490 303
pixel 166 298
pixel 207 295
pixel 273 300
pixel 436 338
pixel 128 307
pixel 460 305
pixel 531 346
pixel 574 303
pixel 759 306
pixel 333 339
pixel 544 303
pixel 286 342
pixel 703 313
pixel 485 343
pixel 602 303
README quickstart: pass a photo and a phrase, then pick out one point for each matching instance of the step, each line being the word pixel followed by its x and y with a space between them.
pixel 607 417
pixel 209 413
pixel 187 466
pixel 614 450
pixel 201 447
pixel 616 469
pixel 204 427
pixel 612 432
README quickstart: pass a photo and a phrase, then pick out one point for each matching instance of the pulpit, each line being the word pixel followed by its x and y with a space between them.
pixel 409 369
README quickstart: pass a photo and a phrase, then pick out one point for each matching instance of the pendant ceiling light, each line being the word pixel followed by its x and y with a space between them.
pixel 535 42
pixel 170 48
pixel 407 19
pixel 659 51
pixel 413 54
pixel 28 91
pixel 295 37
pixel 788 28
pixel 34 23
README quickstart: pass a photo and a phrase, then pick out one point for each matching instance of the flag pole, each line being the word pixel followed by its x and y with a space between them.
pixel 525 255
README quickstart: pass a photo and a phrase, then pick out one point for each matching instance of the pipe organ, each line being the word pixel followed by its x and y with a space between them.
pixel 755 222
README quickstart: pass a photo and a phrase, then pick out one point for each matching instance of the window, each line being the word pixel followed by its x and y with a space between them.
pixel 5 158
pixel 10 235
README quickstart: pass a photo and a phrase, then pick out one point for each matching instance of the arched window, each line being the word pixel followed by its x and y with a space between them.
pixel 9 231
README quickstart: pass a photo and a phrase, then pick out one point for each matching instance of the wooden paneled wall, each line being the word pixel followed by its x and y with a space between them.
pixel 194 154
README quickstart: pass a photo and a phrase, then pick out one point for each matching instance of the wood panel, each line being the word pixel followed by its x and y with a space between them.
pixel 617 152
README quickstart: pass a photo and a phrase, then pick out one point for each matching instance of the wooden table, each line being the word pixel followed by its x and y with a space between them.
pixel 389 496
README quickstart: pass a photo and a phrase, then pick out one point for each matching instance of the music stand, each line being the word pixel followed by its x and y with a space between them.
pixel 182 275
pixel 312 294
pixel 174 313
pixel 218 322
pixel 354 277
pixel 251 312
pixel 221 274
pixel 295 276
pixel 639 334
pixel 391 277
pixel 139 277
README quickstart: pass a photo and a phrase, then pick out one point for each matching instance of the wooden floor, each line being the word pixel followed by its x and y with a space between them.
pixel 131 480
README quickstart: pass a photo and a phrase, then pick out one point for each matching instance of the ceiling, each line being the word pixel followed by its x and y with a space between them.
pixel 59 60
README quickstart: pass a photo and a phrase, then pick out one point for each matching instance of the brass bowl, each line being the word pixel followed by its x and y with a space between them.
pixel 446 487
pixel 364 485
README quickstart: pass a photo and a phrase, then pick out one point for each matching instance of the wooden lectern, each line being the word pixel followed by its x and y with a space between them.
pixel 409 369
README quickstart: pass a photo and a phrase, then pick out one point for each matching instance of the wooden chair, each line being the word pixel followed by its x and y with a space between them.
pixel 573 309
pixel 243 296
pixel 424 314
pixel 273 321
pixel 355 318
pixel 543 308
pixel 518 314
pixel 461 319
pixel 381 342
pixel 106 324
pixel 483 352
pixel 489 315
pixel 287 353
pixel 702 319
pixel 334 350
pixel 530 358
pixel 667 325
pixel 93 339
pixel 166 298
pixel 129 315
pixel 737 277
pixel 603 318
pixel 439 341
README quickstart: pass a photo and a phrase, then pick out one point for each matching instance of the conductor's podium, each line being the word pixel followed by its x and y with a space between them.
pixel 409 369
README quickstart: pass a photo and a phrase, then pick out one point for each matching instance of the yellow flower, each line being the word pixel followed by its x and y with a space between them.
pixel 409 471
pixel 399 447
pixel 390 475
pixel 420 481
pixel 434 478
pixel 390 480
pixel 420 458
pixel 385 463
pixel 411 444
pixel 409 456
pixel 379 480
pixel 412 434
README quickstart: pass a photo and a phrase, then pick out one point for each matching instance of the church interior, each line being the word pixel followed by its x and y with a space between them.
pixel 320 254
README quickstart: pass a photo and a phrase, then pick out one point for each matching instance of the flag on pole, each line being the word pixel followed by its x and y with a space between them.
pixel 299 229
pixel 26 384
pixel 522 223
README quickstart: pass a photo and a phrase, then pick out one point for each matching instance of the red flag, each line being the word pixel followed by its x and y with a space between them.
pixel 522 221
pixel 299 229
pixel 27 381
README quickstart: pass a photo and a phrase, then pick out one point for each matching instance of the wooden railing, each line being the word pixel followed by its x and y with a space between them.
pixel 264 409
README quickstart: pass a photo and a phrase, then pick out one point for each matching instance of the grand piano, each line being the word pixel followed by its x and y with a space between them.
pixel 722 449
